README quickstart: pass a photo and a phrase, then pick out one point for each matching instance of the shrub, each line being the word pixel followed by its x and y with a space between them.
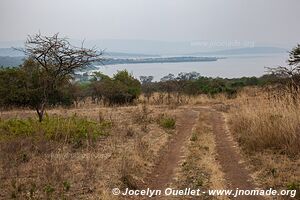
pixel 194 137
pixel 123 88
pixel 67 186
pixel 167 122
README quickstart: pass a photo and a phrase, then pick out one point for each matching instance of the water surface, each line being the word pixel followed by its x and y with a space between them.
pixel 231 67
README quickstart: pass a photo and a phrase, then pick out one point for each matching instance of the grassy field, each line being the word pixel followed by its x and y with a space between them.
pixel 86 151
pixel 80 152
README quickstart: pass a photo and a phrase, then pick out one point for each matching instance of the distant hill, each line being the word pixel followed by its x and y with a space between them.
pixel 15 53
pixel 244 51
pixel 153 47
pixel 11 52
pixel 10 57
pixel 7 61
pixel 128 55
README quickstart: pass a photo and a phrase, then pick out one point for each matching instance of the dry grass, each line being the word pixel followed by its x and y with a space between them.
pixel 268 131
pixel 267 123
pixel 173 101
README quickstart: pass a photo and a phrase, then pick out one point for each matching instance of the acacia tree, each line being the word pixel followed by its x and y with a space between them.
pixel 56 60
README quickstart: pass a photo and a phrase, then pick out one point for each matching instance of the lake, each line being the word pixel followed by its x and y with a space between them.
pixel 229 67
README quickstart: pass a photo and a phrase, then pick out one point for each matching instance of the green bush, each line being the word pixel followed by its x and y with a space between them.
pixel 71 129
pixel 121 89
pixel 194 137
pixel 167 122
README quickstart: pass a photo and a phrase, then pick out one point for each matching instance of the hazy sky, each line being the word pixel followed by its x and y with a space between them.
pixel 269 21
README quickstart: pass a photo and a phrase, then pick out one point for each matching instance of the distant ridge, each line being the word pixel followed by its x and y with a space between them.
pixel 120 54
pixel 11 52
pixel 8 61
pixel 245 51
pixel 153 47
pixel 13 57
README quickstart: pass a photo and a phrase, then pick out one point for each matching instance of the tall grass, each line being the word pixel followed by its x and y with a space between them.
pixel 264 122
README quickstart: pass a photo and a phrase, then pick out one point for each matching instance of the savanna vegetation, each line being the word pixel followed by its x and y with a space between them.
pixel 91 136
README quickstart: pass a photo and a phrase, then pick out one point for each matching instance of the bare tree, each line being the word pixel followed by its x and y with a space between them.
pixel 289 76
pixel 57 60
pixel 295 56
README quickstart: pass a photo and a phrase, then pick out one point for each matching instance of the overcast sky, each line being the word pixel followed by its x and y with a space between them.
pixel 267 21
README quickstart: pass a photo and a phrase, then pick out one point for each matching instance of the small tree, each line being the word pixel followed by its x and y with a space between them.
pixel 184 81
pixel 54 62
pixel 294 59
pixel 97 86
pixel 147 86
pixel 168 85
pixel 289 76
pixel 133 85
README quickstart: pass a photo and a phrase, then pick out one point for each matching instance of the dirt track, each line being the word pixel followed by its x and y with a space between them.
pixel 236 175
pixel 169 159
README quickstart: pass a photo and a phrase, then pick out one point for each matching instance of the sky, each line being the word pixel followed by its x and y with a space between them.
pixel 259 21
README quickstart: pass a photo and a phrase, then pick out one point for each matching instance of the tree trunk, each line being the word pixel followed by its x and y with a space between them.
pixel 40 111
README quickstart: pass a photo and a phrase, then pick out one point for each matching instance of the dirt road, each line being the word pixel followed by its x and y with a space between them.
pixel 236 175
pixel 170 157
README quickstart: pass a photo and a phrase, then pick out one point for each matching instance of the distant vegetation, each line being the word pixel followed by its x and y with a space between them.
pixel 7 61
pixel 16 88
pixel 111 61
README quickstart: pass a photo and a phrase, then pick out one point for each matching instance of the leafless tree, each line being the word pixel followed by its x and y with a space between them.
pixel 58 60
pixel 289 76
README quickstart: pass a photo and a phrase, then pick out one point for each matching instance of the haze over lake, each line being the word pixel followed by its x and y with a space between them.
pixel 230 67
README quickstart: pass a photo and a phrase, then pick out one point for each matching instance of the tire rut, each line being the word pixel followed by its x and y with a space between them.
pixel 236 174
pixel 163 173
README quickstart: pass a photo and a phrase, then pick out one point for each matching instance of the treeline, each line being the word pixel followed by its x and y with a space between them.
pixel 193 84
pixel 24 87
